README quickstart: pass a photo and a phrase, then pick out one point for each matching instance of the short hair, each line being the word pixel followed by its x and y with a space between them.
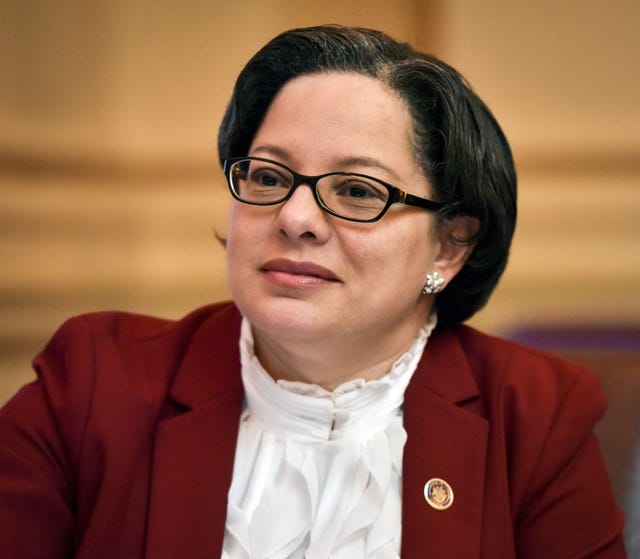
pixel 456 140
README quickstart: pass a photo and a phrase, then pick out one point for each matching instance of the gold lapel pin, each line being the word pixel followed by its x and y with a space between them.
pixel 438 494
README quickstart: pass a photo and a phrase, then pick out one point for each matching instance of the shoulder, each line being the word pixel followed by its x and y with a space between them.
pixel 537 403
pixel 121 357
pixel 119 340
pixel 516 373
pixel 542 408
pixel 127 329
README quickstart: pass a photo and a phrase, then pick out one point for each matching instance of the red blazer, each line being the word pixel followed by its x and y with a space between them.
pixel 124 446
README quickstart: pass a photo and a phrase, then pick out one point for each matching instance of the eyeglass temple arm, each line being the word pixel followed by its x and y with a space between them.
pixel 411 200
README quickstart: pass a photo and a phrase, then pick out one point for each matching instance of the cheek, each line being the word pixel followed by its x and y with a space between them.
pixel 240 252
pixel 244 227
pixel 421 241
pixel 240 238
pixel 234 227
pixel 409 249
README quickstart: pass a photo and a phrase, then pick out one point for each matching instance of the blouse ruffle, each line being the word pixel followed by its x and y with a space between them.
pixel 317 474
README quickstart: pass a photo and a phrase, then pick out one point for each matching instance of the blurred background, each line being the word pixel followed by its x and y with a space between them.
pixel 110 192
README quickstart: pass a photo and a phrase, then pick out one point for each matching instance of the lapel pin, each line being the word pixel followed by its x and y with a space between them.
pixel 438 494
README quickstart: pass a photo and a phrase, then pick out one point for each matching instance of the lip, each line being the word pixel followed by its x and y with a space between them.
pixel 298 274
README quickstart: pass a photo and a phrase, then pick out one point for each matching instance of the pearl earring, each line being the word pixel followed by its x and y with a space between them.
pixel 433 283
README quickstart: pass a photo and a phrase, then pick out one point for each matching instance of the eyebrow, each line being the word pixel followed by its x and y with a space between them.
pixel 345 162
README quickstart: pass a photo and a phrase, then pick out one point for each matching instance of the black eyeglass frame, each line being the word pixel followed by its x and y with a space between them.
pixel 396 195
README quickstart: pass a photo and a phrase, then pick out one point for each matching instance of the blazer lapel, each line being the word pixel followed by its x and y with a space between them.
pixel 195 447
pixel 446 440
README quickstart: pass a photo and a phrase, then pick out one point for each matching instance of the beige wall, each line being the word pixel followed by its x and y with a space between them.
pixel 110 190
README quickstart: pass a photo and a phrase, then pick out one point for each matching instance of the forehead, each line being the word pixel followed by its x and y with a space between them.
pixel 336 115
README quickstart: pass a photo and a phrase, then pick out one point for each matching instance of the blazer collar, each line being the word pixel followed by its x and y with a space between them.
pixel 211 365
pixel 447 439
pixel 194 451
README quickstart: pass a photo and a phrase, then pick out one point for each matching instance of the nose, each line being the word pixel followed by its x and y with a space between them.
pixel 300 217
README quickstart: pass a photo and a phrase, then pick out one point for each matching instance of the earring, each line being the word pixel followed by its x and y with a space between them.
pixel 433 283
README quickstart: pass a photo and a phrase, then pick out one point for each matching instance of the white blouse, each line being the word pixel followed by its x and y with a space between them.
pixel 317 474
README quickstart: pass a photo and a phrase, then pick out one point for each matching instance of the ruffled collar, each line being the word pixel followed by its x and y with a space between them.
pixel 309 412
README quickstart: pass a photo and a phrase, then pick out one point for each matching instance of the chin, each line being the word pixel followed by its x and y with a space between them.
pixel 293 318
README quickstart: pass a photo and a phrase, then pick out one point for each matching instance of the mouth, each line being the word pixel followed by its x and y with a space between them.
pixel 298 274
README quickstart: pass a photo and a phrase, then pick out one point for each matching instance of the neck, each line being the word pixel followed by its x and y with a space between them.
pixel 329 362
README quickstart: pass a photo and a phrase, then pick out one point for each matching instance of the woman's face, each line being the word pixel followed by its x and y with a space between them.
pixel 301 274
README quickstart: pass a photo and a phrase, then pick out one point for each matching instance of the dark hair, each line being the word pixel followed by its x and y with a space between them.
pixel 457 141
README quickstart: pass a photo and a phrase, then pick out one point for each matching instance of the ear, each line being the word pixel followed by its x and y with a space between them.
pixel 457 240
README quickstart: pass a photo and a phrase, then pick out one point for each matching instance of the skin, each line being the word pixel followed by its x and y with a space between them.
pixel 354 316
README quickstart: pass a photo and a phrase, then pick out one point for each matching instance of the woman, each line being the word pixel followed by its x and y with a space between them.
pixel 337 408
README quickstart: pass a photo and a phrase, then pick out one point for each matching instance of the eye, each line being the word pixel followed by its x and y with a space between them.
pixel 356 191
pixel 269 177
pixel 356 188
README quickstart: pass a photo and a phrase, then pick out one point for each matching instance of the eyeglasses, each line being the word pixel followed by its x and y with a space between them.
pixel 350 196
